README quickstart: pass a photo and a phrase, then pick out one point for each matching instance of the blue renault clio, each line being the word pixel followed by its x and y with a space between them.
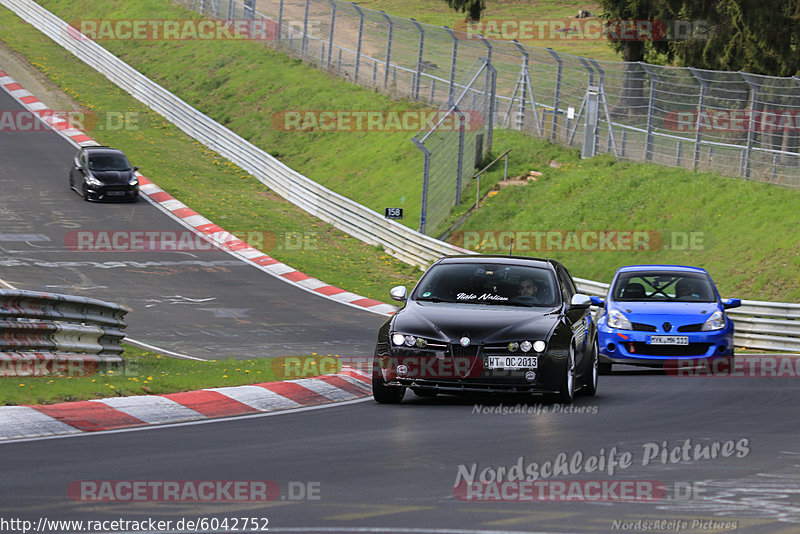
pixel 659 313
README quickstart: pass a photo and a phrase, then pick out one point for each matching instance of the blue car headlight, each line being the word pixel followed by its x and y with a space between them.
pixel 715 322
pixel 616 319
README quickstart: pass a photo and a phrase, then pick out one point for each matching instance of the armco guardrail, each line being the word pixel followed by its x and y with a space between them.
pixel 47 333
pixel 761 325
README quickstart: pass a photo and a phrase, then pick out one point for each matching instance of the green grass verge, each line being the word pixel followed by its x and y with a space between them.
pixel 148 373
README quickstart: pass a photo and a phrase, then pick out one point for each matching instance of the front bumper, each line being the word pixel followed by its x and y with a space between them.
pixel 634 347
pixel 112 193
pixel 445 373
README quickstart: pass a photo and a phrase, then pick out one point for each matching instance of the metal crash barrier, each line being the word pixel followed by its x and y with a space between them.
pixel 44 334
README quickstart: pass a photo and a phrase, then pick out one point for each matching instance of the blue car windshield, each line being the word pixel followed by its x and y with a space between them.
pixel 487 283
pixel 666 286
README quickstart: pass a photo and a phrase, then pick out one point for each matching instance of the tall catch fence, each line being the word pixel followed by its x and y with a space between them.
pixel 733 123
pixel 454 146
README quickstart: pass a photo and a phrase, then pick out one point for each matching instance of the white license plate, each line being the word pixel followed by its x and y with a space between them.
pixel 511 362
pixel 669 340
pixel 116 193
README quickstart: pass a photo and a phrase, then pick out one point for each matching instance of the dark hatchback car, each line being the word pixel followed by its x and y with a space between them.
pixel 488 324
pixel 103 173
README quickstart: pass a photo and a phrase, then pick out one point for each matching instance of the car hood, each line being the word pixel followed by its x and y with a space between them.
pixel 481 323
pixel 683 311
pixel 114 177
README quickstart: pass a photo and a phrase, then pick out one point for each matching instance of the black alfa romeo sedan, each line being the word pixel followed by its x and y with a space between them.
pixel 488 324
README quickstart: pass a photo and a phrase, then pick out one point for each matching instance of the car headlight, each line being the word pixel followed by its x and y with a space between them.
pixel 92 180
pixel 134 181
pixel 615 319
pixel 513 346
pixel 539 346
pixel 715 322
pixel 399 339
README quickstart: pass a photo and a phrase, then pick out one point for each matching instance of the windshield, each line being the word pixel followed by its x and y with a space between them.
pixel 108 162
pixel 663 286
pixel 487 283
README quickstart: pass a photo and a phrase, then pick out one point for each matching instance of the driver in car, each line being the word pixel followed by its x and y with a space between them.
pixel 527 288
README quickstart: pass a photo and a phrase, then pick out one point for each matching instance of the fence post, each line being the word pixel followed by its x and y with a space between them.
pixel 360 38
pixel 592 98
pixel 415 85
pixel 701 101
pixel 556 98
pixel 748 151
pixel 305 32
pixel 648 143
pixel 232 12
pixel 388 49
pixel 624 138
pixel 451 92
pixel 330 36
pixel 492 100
pixel 425 173
pixel 280 20
pixel 602 84
pixel 460 165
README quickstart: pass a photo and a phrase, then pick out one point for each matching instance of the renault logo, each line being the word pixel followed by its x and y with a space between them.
pixel 464 341
pixel 667 327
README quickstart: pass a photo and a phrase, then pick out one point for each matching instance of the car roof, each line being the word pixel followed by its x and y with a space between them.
pixel 102 149
pixel 656 267
pixel 541 263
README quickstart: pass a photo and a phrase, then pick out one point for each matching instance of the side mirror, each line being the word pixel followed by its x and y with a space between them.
pixel 399 293
pixel 135 169
pixel 731 303
pixel 580 301
pixel 597 301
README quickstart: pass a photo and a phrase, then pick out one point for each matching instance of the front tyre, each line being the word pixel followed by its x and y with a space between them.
pixel 380 391
pixel 589 389
pixel 567 389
